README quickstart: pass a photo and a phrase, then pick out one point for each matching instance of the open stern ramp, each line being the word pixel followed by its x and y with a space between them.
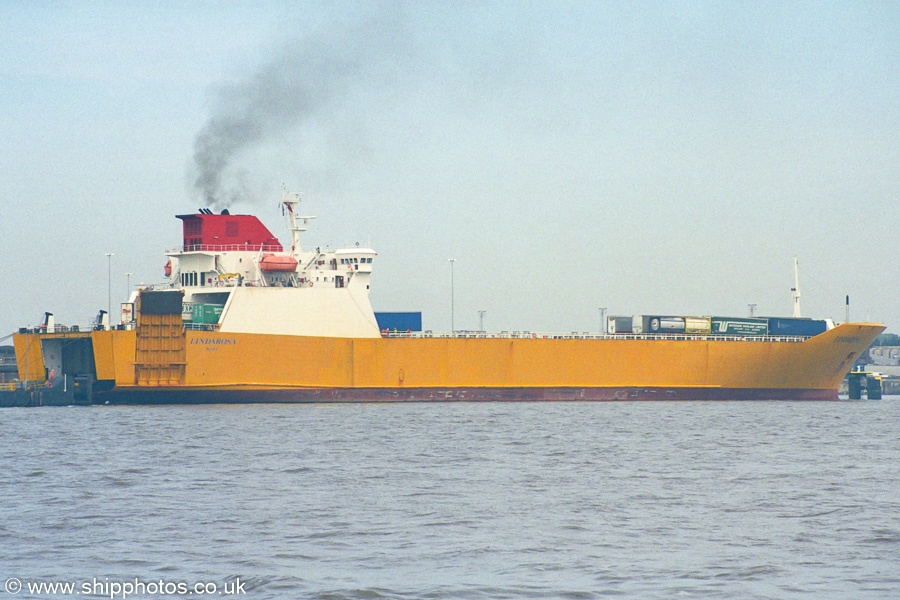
pixel 159 354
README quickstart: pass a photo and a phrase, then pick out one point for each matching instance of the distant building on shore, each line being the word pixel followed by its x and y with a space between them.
pixel 886 356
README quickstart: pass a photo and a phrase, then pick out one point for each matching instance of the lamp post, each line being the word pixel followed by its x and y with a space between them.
pixel 481 320
pixel 128 287
pixel 602 319
pixel 109 256
pixel 752 308
pixel 452 324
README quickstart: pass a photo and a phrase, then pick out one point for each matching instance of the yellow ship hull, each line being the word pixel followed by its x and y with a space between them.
pixel 174 365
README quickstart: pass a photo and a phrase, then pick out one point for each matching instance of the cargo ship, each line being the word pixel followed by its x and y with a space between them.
pixel 243 318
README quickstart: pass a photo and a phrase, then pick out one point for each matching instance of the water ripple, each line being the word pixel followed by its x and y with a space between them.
pixel 484 501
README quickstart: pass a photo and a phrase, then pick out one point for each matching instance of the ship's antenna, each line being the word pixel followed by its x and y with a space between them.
pixel 288 201
pixel 796 289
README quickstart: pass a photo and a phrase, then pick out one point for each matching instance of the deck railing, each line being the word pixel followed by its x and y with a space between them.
pixel 509 334
pixel 593 336
pixel 226 248
pixel 12 386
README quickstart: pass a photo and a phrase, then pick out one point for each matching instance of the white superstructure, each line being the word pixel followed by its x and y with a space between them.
pixel 236 278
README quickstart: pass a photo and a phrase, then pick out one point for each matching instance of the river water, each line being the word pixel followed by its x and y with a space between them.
pixel 498 500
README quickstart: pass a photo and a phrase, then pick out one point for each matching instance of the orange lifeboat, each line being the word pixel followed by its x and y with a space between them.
pixel 271 263
pixel 168 269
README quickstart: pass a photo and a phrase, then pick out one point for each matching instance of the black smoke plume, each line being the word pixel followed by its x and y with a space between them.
pixel 297 85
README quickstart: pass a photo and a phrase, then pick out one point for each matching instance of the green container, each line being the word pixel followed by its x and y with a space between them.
pixel 738 326
pixel 207 314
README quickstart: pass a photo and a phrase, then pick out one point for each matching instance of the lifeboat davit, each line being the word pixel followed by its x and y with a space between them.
pixel 271 263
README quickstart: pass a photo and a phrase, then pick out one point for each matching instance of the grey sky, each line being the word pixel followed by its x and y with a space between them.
pixel 643 157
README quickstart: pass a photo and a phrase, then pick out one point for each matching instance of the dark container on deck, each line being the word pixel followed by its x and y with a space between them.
pixel 794 326
pixel 400 321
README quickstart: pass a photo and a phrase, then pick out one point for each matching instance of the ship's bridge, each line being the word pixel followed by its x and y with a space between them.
pixel 355 259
